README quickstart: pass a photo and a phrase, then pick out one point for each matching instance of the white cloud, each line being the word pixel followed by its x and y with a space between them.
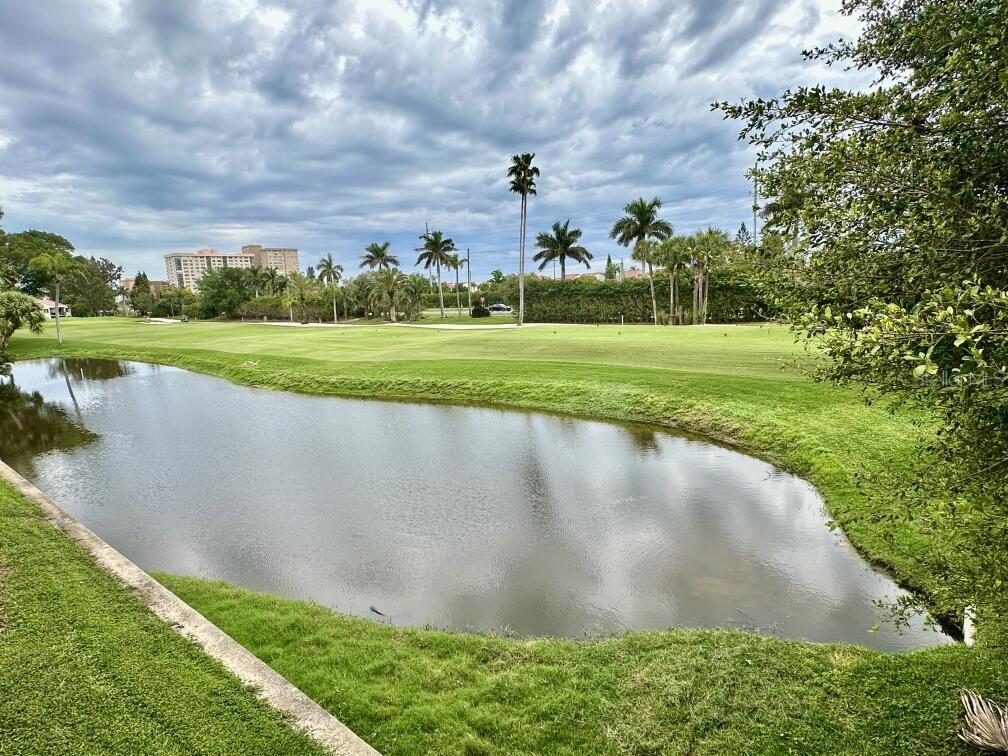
pixel 139 127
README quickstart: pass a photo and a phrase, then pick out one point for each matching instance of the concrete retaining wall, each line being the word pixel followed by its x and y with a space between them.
pixel 307 715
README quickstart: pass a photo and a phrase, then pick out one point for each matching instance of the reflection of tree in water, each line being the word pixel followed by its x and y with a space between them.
pixel 644 438
pixel 30 426
pixel 88 369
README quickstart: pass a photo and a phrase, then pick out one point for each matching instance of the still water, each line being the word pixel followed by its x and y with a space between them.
pixel 454 517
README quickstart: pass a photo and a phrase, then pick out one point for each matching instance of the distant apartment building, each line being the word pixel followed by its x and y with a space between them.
pixel 187 268
pixel 283 259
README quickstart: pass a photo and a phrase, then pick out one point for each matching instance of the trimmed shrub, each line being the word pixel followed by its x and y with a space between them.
pixel 479 311
pixel 733 297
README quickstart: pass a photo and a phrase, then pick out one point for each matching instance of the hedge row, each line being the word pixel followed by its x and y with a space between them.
pixel 733 297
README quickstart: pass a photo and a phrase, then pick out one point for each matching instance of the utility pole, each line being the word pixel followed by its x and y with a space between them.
pixel 755 202
pixel 468 280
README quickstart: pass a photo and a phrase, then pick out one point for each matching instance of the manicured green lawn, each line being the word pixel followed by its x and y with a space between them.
pixel 700 692
pixel 85 668
pixel 686 691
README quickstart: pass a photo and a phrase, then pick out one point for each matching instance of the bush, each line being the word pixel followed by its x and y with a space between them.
pixel 734 296
pixel 479 311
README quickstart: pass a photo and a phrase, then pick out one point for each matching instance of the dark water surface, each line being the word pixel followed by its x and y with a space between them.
pixel 455 517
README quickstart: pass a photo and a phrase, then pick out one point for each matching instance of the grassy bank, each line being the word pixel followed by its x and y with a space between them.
pixel 682 691
pixel 700 692
pixel 85 668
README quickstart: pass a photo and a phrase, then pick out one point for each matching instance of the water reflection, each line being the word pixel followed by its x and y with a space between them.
pixel 449 516
pixel 30 426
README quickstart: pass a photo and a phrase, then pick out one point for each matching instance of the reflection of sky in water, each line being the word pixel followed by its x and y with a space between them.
pixel 450 516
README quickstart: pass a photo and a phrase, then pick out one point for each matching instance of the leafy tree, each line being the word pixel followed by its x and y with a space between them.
pixel 561 244
pixel 90 287
pixel 435 253
pixel 640 224
pixel 25 246
pixel 743 237
pixel 379 256
pixel 890 207
pixel 56 264
pixel 17 310
pixel 222 291
pixel 497 276
pixel 140 296
pixel 523 177
pixel 172 300
pixel 611 268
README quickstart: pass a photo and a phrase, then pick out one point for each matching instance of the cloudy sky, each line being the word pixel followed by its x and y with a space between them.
pixel 140 127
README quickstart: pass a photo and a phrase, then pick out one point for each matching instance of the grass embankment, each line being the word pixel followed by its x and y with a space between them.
pixel 682 691
pixel 85 668
pixel 700 692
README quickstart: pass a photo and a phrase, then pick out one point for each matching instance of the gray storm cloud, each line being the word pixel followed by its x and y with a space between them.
pixel 138 128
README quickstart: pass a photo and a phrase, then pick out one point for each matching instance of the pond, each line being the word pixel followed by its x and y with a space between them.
pixel 452 517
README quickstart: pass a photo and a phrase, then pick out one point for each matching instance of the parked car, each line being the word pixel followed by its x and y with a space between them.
pixel 499 307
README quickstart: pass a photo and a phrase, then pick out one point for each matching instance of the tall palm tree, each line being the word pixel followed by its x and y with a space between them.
pixel 455 263
pixel 57 265
pixel 378 256
pixel 329 275
pixel 299 291
pixel 523 175
pixel 434 252
pixel 641 223
pixel 561 245
pixel 675 253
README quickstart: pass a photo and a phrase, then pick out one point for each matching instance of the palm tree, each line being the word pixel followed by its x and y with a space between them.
pixel 378 256
pixel 388 285
pixel 641 223
pixel 256 278
pixel 561 245
pixel 709 247
pixel 455 263
pixel 411 294
pixel 57 265
pixel 434 252
pixel 299 290
pixel 8 273
pixel 271 281
pixel 523 175
pixel 674 253
pixel 330 274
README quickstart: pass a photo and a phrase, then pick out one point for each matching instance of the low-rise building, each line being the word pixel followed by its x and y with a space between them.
pixel 49 309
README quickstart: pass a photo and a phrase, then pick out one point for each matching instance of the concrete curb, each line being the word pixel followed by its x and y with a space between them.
pixel 268 685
